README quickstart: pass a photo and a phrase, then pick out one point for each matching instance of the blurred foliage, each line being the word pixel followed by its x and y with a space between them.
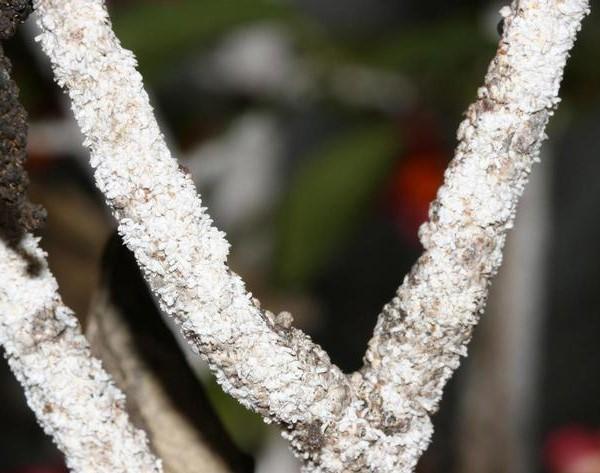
pixel 246 428
pixel 161 35
pixel 582 73
pixel 329 195
pixel 433 54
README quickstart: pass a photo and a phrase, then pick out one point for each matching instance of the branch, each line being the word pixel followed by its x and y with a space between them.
pixel 72 397
pixel 423 332
pixel 376 420
pixel 268 366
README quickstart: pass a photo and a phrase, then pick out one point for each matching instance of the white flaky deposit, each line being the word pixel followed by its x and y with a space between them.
pixel 73 398
pixel 257 357
pixel 423 332
pixel 377 420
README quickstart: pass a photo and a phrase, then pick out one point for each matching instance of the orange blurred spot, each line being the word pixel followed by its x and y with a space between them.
pixel 573 450
pixel 414 185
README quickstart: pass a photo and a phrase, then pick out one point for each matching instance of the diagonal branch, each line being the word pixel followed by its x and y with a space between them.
pixel 164 396
pixel 377 420
pixel 423 332
pixel 268 366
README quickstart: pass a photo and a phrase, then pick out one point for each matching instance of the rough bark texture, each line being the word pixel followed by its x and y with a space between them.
pixel 377 420
pixel 17 215
pixel 423 332
pixel 12 12
pixel 164 396
pixel 257 357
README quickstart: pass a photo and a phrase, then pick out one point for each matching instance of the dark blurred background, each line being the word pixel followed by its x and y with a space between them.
pixel 317 133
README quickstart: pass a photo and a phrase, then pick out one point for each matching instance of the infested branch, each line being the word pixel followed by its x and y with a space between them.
pixel 376 420
pixel 267 365
pixel 423 332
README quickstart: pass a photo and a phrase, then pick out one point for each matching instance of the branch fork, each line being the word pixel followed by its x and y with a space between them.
pixel 378 419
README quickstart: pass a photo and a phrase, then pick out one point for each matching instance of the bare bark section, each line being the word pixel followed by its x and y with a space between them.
pixel 177 443
pixel 164 397
pixel 260 360
pixel 499 409
pixel 73 398
pixel 423 332
pixel 17 215
pixel 377 420
pixel 12 13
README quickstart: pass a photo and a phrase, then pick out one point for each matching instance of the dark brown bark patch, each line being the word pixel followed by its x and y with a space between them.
pixel 12 13
pixel 17 215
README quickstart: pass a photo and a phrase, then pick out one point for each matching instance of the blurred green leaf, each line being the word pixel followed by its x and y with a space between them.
pixel 582 73
pixel 446 57
pixel 328 197
pixel 246 428
pixel 161 33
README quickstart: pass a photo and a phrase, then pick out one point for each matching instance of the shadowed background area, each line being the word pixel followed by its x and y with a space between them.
pixel 317 133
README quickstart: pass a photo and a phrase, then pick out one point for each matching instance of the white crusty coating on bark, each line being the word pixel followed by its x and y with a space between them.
pixel 377 420
pixel 423 332
pixel 267 366
pixel 72 397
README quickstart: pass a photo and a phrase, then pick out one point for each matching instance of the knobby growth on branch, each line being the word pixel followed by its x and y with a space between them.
pixel 375 420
